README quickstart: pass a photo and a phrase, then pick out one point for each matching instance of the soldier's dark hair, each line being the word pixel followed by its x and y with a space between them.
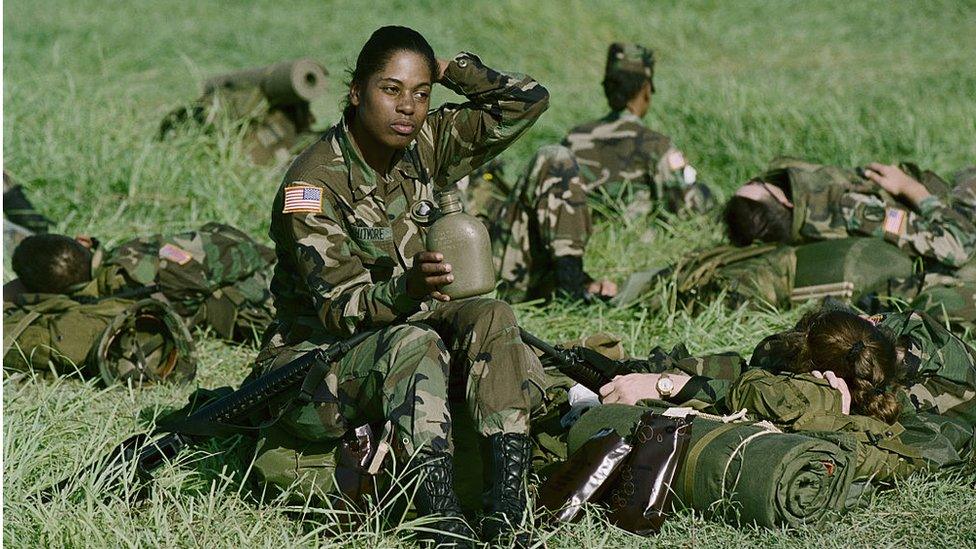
pixel 748 220
pixel 383 44
pixel 620 87
pixel 51 263
pixel 862 354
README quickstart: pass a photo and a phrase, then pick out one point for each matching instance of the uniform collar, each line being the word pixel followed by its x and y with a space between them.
pixel 625 116
pixel 362 178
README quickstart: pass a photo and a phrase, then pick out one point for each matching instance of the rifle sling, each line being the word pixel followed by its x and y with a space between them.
pixel 314 389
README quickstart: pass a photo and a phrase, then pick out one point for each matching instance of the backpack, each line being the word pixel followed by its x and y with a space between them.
pixel 114 339
pixel 848 268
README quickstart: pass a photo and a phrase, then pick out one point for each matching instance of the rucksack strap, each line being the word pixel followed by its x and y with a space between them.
pixel 11 335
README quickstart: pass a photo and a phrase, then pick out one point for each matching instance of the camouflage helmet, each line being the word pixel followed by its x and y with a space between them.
pixel 630 58
pixel 148 344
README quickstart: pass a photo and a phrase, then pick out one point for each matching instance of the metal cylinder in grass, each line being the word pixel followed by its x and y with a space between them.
pixel 284 83
pixel 745 472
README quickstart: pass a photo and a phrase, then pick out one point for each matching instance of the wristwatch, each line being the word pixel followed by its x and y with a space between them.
pixel 665 386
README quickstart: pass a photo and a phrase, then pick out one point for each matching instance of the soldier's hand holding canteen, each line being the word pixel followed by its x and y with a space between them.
pixel 428 274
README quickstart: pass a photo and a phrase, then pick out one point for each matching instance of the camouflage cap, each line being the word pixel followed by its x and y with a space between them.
pixel 630 58
pixel 147 343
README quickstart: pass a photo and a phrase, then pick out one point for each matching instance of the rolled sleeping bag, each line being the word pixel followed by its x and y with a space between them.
pixel 745 471
pixel 282 83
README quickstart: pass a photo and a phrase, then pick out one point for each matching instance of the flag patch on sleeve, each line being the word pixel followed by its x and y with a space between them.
pixel 302 199
pixel 894 221
pixel 175 254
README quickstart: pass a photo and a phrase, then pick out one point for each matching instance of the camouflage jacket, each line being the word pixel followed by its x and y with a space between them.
pixel 345 235
pixel 831 202
pixel 620 158
pixel 217 275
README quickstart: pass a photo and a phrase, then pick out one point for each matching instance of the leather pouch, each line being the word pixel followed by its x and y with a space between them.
pixel 354 481
pixel 641 496
pixel 584 476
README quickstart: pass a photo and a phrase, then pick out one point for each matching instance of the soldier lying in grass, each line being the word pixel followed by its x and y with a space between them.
pixel 902 375
pixel 216 276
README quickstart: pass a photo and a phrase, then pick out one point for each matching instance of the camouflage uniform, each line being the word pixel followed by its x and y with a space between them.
pixel 622 160
pixel 547 219
pixel 831 202
pixel 215 276
pixel 343 252
pixel 615 162
pixel 270 132
pixel 939 410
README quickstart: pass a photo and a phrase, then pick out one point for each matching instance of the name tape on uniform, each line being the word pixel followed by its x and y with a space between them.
pixel 302 199
pixel 371 234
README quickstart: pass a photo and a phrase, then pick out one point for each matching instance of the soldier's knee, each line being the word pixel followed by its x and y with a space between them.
pixel 408 345
pixel 490 317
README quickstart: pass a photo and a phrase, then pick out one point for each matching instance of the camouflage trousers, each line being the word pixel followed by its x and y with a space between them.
pixel 545 217
pixel 467 350
pixel 952 296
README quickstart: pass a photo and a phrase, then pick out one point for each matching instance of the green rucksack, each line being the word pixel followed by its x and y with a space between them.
pixel 114 339
pixel 848 268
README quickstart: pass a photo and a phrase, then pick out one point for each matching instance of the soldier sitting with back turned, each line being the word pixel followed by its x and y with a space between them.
pixel 216 276
pixel 541 232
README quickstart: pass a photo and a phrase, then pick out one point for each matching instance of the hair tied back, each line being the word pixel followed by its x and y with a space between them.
pixel 855 352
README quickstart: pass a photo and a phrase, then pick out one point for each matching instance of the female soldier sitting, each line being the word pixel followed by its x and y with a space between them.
pixel 349 223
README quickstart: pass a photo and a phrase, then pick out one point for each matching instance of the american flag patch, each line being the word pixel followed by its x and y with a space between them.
pixel 303 199
pixel 175 254
pixel 894 221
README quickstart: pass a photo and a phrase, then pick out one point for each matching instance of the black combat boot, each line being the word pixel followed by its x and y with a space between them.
pixel 505 497
pixel 571 280
pixel 436 496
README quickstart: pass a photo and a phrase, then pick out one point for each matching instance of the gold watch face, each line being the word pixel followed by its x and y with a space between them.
pixel 665 386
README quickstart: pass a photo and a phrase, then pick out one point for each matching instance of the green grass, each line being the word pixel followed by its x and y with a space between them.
pixel 86 84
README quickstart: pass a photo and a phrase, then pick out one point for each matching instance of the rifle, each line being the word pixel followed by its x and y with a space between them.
pixel 585 366
pixel 220 417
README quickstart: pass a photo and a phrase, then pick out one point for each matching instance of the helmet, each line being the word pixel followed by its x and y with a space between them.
pixel 147 343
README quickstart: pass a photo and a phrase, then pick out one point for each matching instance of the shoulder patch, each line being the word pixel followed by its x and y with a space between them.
pixel 894 221
pixel 302 198
pixel 175 254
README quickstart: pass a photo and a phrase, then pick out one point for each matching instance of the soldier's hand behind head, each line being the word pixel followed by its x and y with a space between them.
pixel 895 181
pixel 428 274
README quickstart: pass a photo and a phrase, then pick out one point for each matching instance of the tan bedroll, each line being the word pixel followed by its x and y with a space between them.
pixel 844 289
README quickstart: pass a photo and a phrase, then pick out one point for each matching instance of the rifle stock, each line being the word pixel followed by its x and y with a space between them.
pixel 221 417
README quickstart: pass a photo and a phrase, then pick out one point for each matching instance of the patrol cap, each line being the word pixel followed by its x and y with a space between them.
pixel 148 343
pixel 624 58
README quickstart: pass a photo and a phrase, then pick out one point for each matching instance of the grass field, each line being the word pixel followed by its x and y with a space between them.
pixel 87 82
